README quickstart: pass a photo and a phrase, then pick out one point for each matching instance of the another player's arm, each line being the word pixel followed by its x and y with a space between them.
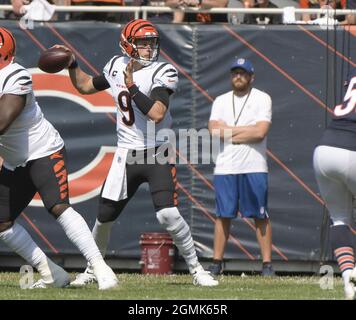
pixel 10 107
pixel 240 134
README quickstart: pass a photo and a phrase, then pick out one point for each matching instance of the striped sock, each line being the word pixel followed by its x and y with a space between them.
pixel 345 258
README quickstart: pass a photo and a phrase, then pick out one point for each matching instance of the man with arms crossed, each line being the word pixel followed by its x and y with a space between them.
pixel 240 176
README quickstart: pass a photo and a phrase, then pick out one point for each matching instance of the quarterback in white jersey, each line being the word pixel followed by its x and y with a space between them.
pixel 34 160
pixel 131 122
pixel 141 88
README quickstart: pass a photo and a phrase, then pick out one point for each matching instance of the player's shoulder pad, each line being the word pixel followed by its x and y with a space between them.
pixel 166 76
pixel 110 65
pixel 16 79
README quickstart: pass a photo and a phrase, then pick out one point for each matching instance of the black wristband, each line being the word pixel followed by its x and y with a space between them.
pixel 73 65
pixel 143 102
pixel 133 89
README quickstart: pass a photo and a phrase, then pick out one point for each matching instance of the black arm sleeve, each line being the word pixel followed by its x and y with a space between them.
pixel 161 94
pixel 143 102
pixel 100 83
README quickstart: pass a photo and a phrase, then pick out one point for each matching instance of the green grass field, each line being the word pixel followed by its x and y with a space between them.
pixel 142 287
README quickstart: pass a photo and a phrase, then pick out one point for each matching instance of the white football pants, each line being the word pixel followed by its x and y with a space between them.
pixel 335 171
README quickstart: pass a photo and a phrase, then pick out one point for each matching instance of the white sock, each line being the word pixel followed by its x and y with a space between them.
pixel 179 230
pixel 346 276
pixel 101 235
pixel 78 232
pixel 18 239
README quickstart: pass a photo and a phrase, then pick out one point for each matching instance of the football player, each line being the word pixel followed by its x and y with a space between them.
pixel 335 167
pixel 141 87
pixel 35 161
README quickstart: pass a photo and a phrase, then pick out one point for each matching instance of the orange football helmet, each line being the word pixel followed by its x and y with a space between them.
pixel 7 47
pixel 132 33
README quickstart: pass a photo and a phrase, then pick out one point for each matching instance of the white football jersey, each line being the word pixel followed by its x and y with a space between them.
pixel 30 136
pixel 132 124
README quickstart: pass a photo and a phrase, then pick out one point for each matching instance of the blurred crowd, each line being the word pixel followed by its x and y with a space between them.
pixel 180 16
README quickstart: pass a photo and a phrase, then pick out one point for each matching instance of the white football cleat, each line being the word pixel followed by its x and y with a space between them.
pixel 105 277
pixel 85 278
pixel 203 278
pixel 40 284
pixel 59 279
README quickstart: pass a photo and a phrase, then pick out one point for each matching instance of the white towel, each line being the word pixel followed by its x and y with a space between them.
pixel 289 15
pixel 116 182
pixel 38 10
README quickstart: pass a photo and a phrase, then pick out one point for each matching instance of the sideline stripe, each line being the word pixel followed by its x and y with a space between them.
pixel 38 231
pixel 76 52
pixel 322 42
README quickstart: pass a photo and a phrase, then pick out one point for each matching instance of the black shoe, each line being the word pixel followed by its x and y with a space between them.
pixel 267 270
pixel 216 268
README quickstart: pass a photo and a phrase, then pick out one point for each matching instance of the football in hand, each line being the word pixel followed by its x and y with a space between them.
pixel 54 60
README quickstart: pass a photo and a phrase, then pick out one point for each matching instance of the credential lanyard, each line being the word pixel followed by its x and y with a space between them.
pixel 243 106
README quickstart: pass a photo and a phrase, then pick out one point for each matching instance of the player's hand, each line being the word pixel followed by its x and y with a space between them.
pixel 67 50
pixel 128 77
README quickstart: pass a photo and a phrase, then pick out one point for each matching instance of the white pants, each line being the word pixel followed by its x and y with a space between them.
pixel 335 171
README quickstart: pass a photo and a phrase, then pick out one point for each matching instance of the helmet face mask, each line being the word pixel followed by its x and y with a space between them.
pixel 7 47
pixel 140 35
pixel 147 43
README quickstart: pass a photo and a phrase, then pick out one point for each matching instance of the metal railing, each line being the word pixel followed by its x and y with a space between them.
pixel 144 10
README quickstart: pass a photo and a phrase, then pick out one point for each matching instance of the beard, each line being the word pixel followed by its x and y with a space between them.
pixel 241 87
